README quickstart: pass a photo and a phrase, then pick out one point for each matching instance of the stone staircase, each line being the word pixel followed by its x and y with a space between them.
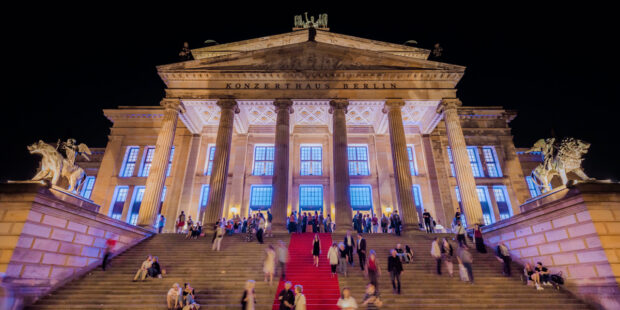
pixel 217 277
pixel 422 288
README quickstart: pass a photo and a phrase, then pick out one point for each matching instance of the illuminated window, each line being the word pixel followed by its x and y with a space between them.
pixel 136 202
pixel 490 157
pixel 311 197
pixel 260 197
pixel 503 204
pixel 451 162
pixel 204 196
pixel 361 197
pixel 531 185
pixel 487 210
pixel 147 161
pixel 263 160
pixel 118 202
pixel 170 162
pixel 311 160
pixel 87 188
pixel 358 160
pixel 129 164
pixel 474 160
pixel 417 200
pixel 210 157
pixel 413 167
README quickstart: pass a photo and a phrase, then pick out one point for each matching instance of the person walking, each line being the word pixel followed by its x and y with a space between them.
pixel 219 235
pixel 346 301
pixel 361 250
pixel 372 300
pixel 161 223
pixel 332 256
pixel 343 258
pixel 282 257
pixel 395 267
pixel 287 297
pixel 503 253
pixel 316 249
pixel 480 247
pixel 269 264
pixel 436 254
pixel 465 258
pixel 447 254
pixel 248 300
pixel 300 298
pixel 460 233
pixel 372 269
pixel 349 244
pixel 375 224
pixel 427 221
pixel 260 228
pixel 109 248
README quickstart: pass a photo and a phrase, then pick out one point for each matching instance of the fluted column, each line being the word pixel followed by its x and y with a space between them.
pixel 279 199
pixel 338 109
pixel 400 160
pixel 151 202
pixel 219 172
pixel 462 166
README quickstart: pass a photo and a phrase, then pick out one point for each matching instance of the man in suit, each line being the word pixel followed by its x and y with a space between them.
pixel 349 244
pixel 361 250
pixel 395 267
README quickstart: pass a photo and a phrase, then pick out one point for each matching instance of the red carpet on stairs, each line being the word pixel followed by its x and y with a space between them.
pixel 321 290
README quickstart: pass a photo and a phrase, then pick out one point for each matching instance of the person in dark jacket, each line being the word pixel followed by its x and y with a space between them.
pixel 155 270
pixel 395 267
pixel 361 250
pixel 503 253
pixel 349 244
pixel 287 297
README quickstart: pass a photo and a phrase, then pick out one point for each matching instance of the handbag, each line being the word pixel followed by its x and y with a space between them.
pixel 463 273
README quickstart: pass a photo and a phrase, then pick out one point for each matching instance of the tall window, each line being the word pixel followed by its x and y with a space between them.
pixel 417 200
pixel 147 161
pixel 412 163
pixel 311 160
pixel 503 204
pixel 487 210
pixel 531 185
pixel 118 201
pixel 361 197
pixel 129 164
pixel 358 160
pixel 136 200
pixel 87 188
pixel 204 196
pixel 260 197
pixel 170 162
pixel 311 197
pixel 490 157
pixel 451 161
pixel 210 157
pixel 263 160
pixel 474 160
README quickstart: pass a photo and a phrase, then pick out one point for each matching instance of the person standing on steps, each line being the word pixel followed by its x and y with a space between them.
pixel 361 250
pixel 395 267
pixel 219 235
pixel 349 244
pixel 287 297
pixel 181 222
pixel 503 253
pixel 248 300
pixel 436 254
pixel 346 301
pixel 269 264
pixel 427 221
pixel 384 224
pixel 478 240
pixel 282 257
pixel 300 299
pixel 161 223
pixel 460 233
pixel 372 269
pixel 332 256
pixel 268 231
pixel 304 222
pixel 260 228
pixel 316 249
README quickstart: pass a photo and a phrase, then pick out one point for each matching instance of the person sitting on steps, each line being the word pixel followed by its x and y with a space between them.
pixel 143 271
pixel 155 270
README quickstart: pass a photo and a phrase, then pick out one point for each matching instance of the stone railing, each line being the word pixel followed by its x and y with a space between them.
pixel 574 230
pixel 49 237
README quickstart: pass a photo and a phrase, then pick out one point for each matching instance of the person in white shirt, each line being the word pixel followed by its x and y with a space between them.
pixel 346 301
pixel 219 235
pixel 143 271
pixel 172 298
pixel 300 299
pixel 332 256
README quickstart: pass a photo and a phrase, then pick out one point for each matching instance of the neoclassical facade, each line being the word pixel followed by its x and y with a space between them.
pixel 288 122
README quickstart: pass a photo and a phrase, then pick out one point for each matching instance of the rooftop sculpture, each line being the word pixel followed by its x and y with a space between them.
pixel 321 22
pixel 55 167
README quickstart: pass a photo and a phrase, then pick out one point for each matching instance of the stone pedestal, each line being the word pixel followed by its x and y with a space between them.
pixel 344 214
pixel 462 166
pixel 155 182
pixel 400 159
pixel 281 164
pixel 219 172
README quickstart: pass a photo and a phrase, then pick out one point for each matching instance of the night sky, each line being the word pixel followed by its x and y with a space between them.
pixel 554 65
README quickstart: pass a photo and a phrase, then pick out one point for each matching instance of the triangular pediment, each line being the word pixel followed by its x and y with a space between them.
pixel 310 56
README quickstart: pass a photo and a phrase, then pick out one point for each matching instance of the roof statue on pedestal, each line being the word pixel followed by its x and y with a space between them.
pixel 59 169
pixel 559 159
pixel 321 22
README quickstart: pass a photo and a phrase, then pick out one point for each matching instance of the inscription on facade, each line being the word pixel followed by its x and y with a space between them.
pixel 310 86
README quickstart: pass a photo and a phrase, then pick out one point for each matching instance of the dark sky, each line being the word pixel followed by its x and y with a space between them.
pixel 555 65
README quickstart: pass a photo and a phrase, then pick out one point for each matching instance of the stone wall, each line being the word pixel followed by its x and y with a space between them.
pixel 575 230
pixel 48 236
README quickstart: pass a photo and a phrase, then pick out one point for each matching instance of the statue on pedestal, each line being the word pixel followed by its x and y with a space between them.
pixel 55 167
pixel 559 159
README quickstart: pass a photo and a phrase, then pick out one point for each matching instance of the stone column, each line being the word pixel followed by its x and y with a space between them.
pixel 462 166
pixel 400 160
pixel 151 202
pixel 338 109
pixel 219 172
pixel 281 164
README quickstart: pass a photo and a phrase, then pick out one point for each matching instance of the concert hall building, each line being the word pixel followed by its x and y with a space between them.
pixel 330 123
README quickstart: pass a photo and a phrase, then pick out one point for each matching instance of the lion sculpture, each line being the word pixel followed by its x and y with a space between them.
pixel 55 167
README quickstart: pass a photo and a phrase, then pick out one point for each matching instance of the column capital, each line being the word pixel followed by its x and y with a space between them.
pixel 172 104
pixel 338 103
pixel 283 103
pixel 393 103
pixel 449 104
pixel 228 103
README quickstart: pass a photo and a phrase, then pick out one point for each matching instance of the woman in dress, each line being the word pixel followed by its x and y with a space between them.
pixel 270 264
pixel 333 255
pixel 372 269
pixel 479 241
pixel 181 222
pixel 248 299
pixel 316 249
pixel 300 299
pixel 346 301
